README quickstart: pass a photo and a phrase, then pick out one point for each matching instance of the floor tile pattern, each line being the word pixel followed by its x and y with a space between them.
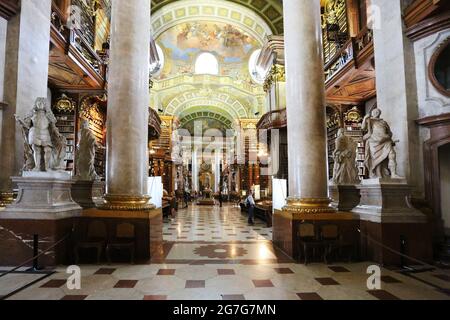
pixel 232 268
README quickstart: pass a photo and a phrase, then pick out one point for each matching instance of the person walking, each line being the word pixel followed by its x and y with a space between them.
pixel 250 203
pixel 220 198
pixel 173 206
pixel 186 198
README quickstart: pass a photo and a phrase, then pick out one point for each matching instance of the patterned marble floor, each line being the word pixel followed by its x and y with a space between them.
pixel 241 265
pixel 200 223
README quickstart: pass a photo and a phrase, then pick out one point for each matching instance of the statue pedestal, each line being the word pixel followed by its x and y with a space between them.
pixel 44 207
pixel 345 197
pixel 386 201
pixel 85 192
pixel 387 220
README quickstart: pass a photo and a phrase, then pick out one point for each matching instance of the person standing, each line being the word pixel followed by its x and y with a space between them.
pixel 250 203
pixel 220 198
pixel 186 198
pixel 173 206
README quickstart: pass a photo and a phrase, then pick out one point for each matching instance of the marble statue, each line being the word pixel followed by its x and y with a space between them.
pixel 86 153
pixel 345 171
pixel 380 155
pixel 42 138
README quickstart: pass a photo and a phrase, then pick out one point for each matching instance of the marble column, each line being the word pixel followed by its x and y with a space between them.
pixel 128 98
pixel 26 67
pixel 250 176
pixel 397 95
pixel 305 93
pixel 3 29
pixel 217 172
pixel 195 185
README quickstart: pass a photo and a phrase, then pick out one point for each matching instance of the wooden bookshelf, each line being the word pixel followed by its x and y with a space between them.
pixel 332 131
pixel 65 122
pixel 97 123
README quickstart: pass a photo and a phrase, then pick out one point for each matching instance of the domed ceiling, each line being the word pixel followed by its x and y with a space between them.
pixel 221 86
pixel 182 45
pixel 269 10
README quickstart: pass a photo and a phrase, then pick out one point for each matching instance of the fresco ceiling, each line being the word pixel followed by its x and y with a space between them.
pixel 271 11
pixel 179 91
pixel 183 43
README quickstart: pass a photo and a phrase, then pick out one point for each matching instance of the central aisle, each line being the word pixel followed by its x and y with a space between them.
pixel 202 223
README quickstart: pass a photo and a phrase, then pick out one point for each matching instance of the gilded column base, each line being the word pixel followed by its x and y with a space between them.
pixel 309 205
pixel 6 198
pixel 126 203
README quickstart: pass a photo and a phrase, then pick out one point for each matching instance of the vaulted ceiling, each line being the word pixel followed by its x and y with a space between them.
pixel 270 10
pixel 183 30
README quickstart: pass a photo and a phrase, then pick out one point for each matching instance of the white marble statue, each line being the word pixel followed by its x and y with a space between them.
pixel 42 138
pixel 345 171
pixel 380 155
pixel 86 149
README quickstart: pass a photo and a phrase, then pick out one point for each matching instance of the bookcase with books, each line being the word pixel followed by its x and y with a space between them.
pixel 353 122
pixel 333 126
pixel 91 111
pixel 65 114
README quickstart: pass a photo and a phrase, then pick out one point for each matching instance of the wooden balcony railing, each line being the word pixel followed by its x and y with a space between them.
pixel 154 125
pixel 275 119
pixel 350 51
pixel 76 46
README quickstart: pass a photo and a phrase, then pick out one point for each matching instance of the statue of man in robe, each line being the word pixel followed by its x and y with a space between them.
pixel 86 149
pixel 345 171
pixel 380 155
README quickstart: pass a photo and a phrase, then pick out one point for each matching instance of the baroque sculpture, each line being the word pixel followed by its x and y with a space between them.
pixel 380 155
pixel 86 153
pixel 45 147
pixel 345 171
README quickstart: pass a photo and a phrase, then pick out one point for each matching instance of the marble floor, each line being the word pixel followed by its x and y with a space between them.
pixel 211 253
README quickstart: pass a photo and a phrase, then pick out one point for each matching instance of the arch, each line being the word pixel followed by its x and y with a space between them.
pixel 174 13
pixel 206 112
pixel 217 100
pixel 206 63
pixel 270 11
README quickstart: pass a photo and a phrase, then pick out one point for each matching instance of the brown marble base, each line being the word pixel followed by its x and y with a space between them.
pixel 16 235
pixel 345 197
pixel 16 241
pixel 286 224
pixel 84 192
pixel 148 228
pixel 417 236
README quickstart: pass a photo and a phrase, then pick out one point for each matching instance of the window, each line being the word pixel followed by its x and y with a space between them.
pixel 207 64
pixel 252 68
pixel 439 69
pixel 156 60
pixel 442 68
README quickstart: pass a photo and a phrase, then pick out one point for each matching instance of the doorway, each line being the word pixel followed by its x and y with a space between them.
pixel 444 175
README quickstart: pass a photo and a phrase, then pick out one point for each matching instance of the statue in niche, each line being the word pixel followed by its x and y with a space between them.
pixel 86 149
pixel 345 171
pixel 45 147
pixel 380 155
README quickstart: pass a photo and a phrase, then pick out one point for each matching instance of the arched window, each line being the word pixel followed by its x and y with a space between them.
pixel 207 63
pixel 156 59
pixel 254 72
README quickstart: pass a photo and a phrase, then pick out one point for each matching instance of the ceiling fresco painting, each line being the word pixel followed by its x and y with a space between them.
pixel 183 43
pixel 185 31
